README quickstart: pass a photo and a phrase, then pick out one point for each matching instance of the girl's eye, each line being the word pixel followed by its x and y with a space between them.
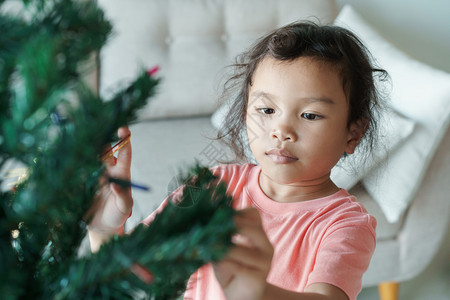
pixel 310 116
pixel 266 111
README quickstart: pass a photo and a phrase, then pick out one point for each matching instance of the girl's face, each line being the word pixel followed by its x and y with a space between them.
pixel 297 121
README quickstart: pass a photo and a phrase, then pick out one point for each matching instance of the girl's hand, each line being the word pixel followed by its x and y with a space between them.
pixel 243 272
pixel 113 203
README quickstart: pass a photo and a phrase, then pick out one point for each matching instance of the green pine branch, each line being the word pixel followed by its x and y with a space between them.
pixel 182 238
pixel 56 127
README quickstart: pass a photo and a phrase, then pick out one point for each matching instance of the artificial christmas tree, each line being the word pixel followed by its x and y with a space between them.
pixel 54 126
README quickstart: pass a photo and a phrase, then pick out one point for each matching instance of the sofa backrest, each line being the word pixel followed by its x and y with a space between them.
pixel 192 41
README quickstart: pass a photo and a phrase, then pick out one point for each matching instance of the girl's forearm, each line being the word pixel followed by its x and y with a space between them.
pixel 274 292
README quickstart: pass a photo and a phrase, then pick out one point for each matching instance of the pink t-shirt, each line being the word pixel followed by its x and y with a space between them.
pixel 326 240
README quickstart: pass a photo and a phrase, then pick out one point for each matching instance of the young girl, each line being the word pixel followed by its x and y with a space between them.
pixel 307 98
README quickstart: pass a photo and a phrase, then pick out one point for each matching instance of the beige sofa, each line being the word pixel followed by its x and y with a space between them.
pixel 406 187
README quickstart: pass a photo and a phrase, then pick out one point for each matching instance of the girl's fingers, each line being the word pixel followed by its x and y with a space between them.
pixel 250 258
pixel 225 270
pixel 123 132
pixel 124 200
pixel 120 191
pixel 252 247
pixel 108 159
pixel 119 167
pixel 143 273
pixel 243 271
pixel 249 226
pixel 252 237
pixel 248 217
pixel 124 153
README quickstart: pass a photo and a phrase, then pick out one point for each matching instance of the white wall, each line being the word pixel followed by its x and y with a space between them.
pixel 420 28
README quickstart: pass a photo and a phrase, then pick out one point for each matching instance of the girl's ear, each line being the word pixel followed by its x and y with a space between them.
pixel 356 131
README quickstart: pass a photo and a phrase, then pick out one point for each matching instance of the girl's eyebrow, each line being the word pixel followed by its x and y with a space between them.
pixel 258 94
pixel 262 94
pixel 324 100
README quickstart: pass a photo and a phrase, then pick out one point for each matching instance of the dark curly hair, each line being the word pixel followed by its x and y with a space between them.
pixel 334 45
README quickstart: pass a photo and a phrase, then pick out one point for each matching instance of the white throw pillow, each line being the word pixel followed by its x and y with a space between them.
pixel 420 93
pixel 394 129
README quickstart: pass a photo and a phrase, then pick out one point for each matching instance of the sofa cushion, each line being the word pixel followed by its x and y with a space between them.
pixel 192 41
pixel 420 93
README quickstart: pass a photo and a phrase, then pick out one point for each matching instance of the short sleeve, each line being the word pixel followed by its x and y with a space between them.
pixel 223 172
pixel 148 220
pixel 344 255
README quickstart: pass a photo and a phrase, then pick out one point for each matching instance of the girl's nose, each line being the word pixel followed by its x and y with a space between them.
pixel 284 133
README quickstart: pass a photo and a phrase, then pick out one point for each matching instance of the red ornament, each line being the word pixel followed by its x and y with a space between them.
pixel 152 71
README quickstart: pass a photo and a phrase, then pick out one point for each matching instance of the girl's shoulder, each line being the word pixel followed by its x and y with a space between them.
pixel 346 211
pixel 333 212
pixel 237 177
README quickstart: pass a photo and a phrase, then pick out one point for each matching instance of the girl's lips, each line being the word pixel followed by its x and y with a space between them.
pixel 281 156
